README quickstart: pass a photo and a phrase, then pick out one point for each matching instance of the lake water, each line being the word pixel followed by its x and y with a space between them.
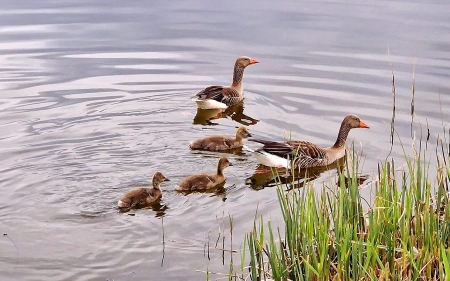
pixel 95 98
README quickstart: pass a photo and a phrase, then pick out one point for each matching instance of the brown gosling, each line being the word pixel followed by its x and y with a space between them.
pixel 220 142
pixel 143 196
pixel 205 181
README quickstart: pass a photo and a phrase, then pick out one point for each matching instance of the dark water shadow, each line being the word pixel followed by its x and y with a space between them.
pixel 236 151
pixel 361 178
pixel 205 116
pixel 157 207
pixel 235 112
pixel 216 191
pixel 297 179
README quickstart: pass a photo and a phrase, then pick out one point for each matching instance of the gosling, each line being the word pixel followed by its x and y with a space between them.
pixel 143 196
pixel 217 143
pixel 205 181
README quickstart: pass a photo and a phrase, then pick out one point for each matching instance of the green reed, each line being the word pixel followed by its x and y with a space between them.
pixel 403 234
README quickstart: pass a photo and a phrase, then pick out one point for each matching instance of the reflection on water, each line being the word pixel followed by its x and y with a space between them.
pixel 157 207
pixel 236 151
pixel 217 190
pixel 293 178
pixel 205 116
pixel 235 112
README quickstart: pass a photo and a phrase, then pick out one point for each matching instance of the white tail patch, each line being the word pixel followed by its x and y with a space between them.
pixel 209 104
pixel 121 204
pixel 271 160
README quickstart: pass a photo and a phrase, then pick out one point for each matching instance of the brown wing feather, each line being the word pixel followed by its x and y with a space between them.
pixel 308 154
pixel 213 143
pixel 230 96
pixel 221 94
pixel 134 197
pixel 307 148
pixel 280 149
pixel 305 154
pixel 196 182
pixel 211 93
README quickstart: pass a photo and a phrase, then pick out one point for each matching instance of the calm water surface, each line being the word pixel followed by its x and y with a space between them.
pixel 95 98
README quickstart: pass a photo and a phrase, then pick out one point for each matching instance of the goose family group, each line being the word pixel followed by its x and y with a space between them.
pixel 287 154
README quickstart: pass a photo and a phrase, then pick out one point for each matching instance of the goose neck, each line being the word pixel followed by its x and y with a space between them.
pixel 342 136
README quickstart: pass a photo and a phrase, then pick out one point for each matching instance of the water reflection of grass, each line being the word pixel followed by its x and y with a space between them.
pixel 404 234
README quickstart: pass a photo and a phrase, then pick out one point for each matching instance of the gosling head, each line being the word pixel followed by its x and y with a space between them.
pixel 353 121
pixel 223 163
pixel 158 178
pixel 242 133
pixel 245 61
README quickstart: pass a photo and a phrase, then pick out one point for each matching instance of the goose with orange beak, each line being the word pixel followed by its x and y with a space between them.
pixel 214 97
pixel 303 154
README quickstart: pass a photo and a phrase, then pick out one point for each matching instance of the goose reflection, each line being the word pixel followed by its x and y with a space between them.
pixel 235 112
pixel 217 190
pixel 221 191
pixel 268 177
pixel 159 208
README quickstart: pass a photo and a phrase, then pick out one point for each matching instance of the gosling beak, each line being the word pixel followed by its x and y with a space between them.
pixel 363 125
pixel 249 135
pixel 166 179
pixel 253 61
pixel 230 164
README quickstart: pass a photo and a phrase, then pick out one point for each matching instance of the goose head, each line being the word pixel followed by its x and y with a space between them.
pixel 245 61
pixel 353 121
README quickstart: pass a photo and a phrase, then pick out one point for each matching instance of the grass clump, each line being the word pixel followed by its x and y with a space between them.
pixel 402 234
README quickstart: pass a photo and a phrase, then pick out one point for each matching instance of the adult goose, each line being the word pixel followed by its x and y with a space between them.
pixel 205 181
pixel 303 154
pixel 219 142
pixel 222 97
pixel 143 196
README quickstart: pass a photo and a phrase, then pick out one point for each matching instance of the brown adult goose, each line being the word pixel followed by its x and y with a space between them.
pixel 222 97
pixel 143 196
pixel 205 181
pixel 217 143
pixel 303 154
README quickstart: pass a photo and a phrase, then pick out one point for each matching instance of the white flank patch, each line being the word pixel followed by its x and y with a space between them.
pixel 246 148
pixel 209 104
pixel 271 160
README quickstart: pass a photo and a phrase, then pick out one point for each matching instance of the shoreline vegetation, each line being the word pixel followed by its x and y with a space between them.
pixel 335 233
pixel 404 234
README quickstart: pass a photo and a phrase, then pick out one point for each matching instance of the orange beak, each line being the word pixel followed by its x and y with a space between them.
pixel 363 125
pixel 253 61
